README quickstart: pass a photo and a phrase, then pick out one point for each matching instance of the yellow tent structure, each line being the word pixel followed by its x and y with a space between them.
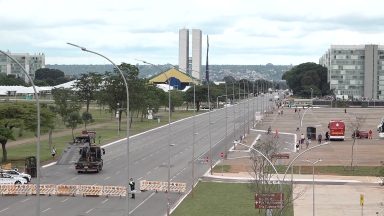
pixel 164 76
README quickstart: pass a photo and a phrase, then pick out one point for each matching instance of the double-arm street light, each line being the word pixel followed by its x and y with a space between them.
pixel 127 91
pixel 313 182
pixel 37 132
pixel 169 134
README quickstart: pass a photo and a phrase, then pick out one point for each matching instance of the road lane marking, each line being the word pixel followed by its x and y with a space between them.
pixel 140 178
pixel 107 178
pixel 64 200
pixel 74 178
pixel 25 200
pixel 4 210
pixel 153 193
pixel 45 210
pixel 104 201
pixel 87 212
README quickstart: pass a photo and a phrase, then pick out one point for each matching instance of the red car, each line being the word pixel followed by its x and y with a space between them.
pixel 360 134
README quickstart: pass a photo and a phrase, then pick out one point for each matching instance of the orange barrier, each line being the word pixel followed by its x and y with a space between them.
pixel 162 186
pixel 66 190
pixel 25 189
pixel 114 191
pixel 90 190
pixel 47 189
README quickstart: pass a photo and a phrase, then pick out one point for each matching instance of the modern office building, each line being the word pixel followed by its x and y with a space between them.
pixel 196 53
pixel 191 66
pixel 355 70
pixel 184 50
pixel 30 63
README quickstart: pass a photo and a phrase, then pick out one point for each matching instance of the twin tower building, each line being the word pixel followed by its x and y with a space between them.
pixel 190 65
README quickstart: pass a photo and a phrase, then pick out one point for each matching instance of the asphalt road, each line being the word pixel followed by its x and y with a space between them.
pixel 148 161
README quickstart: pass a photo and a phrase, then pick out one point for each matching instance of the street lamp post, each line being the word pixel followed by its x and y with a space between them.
pixel 38 132
pixel 169 136
pixel 313 183
pixel 127 92
pixel 311 96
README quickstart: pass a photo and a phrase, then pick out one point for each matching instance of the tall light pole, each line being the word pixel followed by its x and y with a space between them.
pixel 38 133
pixel 128 119
pixel 313 183
pixel 169 135
pixel 311 96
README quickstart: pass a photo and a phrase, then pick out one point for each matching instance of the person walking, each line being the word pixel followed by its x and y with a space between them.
pixel 53 152
pixel 302 138
pixel 370 134
pixel 132 186
pixel 319 138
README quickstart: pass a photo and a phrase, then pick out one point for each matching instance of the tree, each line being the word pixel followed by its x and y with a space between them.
pixel 87 86
pixel 87 118
pixel 49 77
pixel 21 115
pixel 72 120
pixel 201 93
pixel 9 80
pixel 303 77
pixel 355 125
pixel 263 171
pixel 177 99
pixel 66 101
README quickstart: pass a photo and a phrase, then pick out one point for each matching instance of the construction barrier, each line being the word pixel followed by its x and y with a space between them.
pixel 90 190
pixel 66 190
pixel 47 189
pixel 25 189
pixel 162 186
pixel 114 191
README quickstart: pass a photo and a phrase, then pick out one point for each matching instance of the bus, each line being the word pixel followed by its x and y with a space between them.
pixel 336 130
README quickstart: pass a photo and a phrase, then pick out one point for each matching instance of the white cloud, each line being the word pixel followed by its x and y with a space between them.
pixel 241 32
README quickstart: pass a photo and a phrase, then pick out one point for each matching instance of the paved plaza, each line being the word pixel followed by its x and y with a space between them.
pixel 341 197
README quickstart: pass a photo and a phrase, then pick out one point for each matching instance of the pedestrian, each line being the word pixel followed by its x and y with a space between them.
pixel 53 152
pixel 370 134
pixel 307 142
pixel 132 186
pixel 276 134
pixel 319 138
pixel 298 129
pixel 302 138
pixel 345 110
pixel 327 136
pixel 297 147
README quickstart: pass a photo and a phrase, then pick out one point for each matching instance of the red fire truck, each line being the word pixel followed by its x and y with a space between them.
pixel 336 130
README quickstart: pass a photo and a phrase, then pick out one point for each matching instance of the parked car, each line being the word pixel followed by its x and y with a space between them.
pixel 360 134
pixel 15 172
pixel 8 179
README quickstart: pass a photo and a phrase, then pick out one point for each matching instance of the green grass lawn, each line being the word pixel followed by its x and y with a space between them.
pixel 221 199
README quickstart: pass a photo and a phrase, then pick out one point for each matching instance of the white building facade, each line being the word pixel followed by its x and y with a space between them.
pixel 190 65
pixel 355 71
pixel 30 63
pixel 183 50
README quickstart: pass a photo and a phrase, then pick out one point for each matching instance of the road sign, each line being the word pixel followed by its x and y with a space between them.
pixel 280 156
pixel 361 199
pixel 269 200
pixel 222 154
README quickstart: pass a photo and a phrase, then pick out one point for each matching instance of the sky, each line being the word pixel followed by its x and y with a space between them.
pixel 241 32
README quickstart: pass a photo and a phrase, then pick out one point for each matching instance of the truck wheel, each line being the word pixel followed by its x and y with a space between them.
pixel 17 182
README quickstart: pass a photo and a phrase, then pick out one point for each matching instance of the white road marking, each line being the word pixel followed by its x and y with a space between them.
pixel 64 200
pixel 104 201
pixel 153 193
pixel 107 178
pixel 87 212
pixel 4 210
pixel 73 178
pixel 140 178
pixel 25 200
pixel 45 210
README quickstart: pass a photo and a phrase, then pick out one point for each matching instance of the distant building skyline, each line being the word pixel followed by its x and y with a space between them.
pixel 355 70
pixel 30 62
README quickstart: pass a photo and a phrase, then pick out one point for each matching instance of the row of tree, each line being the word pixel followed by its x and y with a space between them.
pixel 108 90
